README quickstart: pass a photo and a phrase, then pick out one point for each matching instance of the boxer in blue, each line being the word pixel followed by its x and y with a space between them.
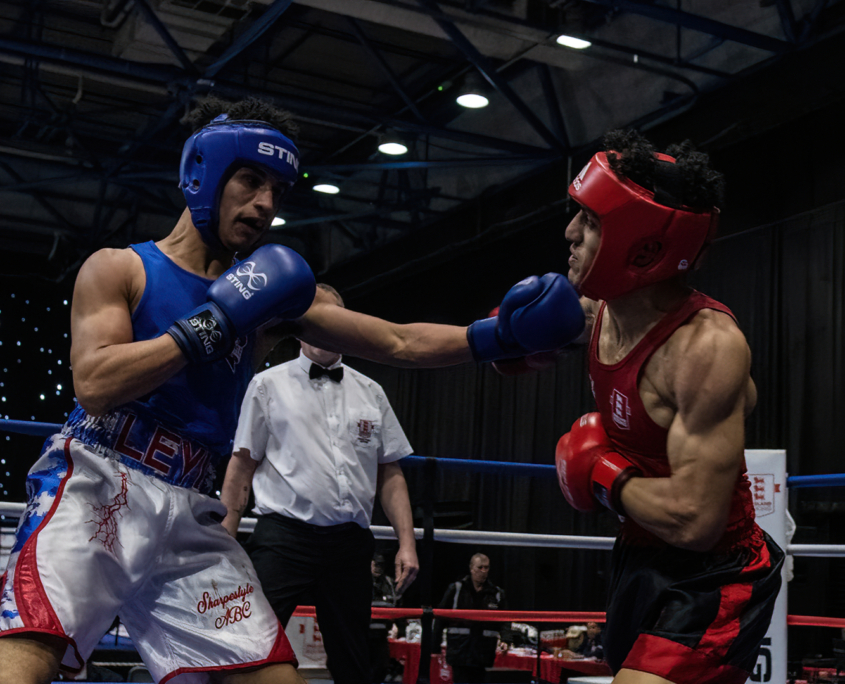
pixel 165 339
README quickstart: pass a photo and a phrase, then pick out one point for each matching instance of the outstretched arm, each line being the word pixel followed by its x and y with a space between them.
pixel 536 314
pixel 333 328
pixel 711 387
pixel 109 368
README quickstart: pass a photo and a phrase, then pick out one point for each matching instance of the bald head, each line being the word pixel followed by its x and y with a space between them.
pixel 479 568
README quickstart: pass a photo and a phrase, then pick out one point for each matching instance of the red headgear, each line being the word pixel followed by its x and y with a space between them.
pixel 632 217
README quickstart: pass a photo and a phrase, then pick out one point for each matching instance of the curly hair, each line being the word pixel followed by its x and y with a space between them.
pixel 249 109
pixel 695 184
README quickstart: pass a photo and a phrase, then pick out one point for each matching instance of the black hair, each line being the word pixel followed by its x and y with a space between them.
pixel 249 109
pixel 695 184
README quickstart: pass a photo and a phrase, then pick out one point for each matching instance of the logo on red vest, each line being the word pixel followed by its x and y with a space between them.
pixel 620 410
pixel 763 490
pixel 365 430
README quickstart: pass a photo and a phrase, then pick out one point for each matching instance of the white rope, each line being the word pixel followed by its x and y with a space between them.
pixel 554 541
pixel 817 550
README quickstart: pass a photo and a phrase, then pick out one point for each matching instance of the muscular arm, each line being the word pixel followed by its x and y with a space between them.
pixel 329 326
pixel 237 485
pixel 109 369
pixel 393 495
pixel 711 388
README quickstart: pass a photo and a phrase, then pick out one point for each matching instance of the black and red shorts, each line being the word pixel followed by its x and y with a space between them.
pixel 690 616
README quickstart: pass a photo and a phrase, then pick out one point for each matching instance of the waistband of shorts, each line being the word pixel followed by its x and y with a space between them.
pixel 736 538
pixel 302 526
pixel 142 443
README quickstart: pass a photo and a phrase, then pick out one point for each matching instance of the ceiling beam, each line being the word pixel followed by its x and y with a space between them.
pixel 167 75
pixel 696 22
pixel 253 33
pixel 492 76
pixel 161 29
pixel 787 19
pixel 386 70
pixel 428 164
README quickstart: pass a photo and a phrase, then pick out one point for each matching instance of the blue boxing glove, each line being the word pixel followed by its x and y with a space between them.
pixel 536 315
pixel 275 282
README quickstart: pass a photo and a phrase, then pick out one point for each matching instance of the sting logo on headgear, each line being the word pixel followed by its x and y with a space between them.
pixel 632 217
pixel 213 154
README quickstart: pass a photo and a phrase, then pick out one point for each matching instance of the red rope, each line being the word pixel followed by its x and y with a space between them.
pixel 812 621
pixel 544 616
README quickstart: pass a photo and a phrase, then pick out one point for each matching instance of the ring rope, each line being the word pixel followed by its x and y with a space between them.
pixel 466 465
pixel 554 541
pixel 541 616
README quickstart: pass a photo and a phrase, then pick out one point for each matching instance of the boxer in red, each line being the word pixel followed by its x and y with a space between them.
pixel 694 577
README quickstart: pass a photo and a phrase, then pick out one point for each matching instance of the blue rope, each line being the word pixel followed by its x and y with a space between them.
pixel 27 427
pixel 30 427
pixel 798 481
pixel 490 467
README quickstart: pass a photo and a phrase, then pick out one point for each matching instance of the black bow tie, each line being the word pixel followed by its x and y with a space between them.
pixel 317 371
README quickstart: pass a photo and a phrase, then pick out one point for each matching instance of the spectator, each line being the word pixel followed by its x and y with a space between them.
pixel 575 637
pixel 591 646
pixel 471 646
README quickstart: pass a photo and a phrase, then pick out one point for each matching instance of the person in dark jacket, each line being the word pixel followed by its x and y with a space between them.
pixel 591 646
pixel 471 646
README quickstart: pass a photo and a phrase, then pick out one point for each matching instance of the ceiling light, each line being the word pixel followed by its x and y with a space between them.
pixel 473 92
pixel 571 42
pixel 390 142
pixel 278 221
pixel 392 147
pixel 326 188
pixel 472 100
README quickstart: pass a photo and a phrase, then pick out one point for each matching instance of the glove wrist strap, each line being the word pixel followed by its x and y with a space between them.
pixel 203 335
pixel 610 474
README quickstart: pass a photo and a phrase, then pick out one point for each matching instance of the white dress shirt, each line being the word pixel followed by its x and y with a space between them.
pixel 318 443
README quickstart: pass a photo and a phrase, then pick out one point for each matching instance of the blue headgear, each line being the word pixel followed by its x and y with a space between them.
pixel 214 152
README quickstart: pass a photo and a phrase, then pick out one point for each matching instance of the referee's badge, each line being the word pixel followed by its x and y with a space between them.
pixel 365 430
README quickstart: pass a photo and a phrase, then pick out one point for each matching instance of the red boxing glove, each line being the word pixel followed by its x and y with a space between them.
pixel 588 470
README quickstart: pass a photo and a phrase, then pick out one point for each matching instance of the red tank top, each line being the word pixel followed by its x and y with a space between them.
pixel 635 435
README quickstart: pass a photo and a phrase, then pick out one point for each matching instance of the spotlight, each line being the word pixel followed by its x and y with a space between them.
pixel 572 42
pixel 326 188
pixel 472 95
pixel 278 221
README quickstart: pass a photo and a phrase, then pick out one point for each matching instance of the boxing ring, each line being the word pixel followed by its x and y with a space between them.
pixel 766 470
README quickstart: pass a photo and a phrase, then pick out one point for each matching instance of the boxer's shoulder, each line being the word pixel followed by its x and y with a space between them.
pixel 119 271
pixel 706 353
pixel 705 360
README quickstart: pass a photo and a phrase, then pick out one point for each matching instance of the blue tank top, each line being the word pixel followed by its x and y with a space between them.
pixel 198 407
